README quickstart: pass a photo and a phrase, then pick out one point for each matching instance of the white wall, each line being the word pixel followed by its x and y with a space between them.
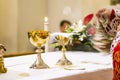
pixel 74 10
pixel 93 6
pixel 8 24
pixel 31 15
pixel 17 17
pixel 63 9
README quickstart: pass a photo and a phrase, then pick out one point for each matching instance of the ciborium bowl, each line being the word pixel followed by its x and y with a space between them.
pixel 62 40
pixel 38 38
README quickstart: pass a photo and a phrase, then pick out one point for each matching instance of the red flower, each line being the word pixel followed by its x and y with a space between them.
pixel 112 15
pixel 117 48
pixel 87 19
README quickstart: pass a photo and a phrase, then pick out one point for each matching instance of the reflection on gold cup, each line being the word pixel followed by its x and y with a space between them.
pixel 63 61
pixel 38 38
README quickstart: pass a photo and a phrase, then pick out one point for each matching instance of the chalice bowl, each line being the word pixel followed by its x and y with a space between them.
pixel 63 41
pixel 38 38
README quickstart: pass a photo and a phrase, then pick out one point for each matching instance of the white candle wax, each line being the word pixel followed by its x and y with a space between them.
pixel 46 23
pixel 46 29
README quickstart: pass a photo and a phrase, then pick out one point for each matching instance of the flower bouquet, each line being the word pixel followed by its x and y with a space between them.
pixel 82 33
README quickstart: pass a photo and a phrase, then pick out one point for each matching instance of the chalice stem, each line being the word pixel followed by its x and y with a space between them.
pixel 39 58
pixel 63 52
pixel 64 61
pixel 40 61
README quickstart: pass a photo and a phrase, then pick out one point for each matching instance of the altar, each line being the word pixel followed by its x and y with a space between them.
pixel 94 66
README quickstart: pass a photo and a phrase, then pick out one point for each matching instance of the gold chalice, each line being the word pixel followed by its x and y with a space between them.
pixel 63 41
pixel 38 38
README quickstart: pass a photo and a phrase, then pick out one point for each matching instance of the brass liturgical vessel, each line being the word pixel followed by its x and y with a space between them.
pixel 38 38
pixel 2 67
pixel 63 61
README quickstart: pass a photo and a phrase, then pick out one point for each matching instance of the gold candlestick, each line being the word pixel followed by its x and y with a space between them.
pixel 38 38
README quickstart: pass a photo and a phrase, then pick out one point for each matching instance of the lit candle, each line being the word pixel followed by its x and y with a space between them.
pixel 46 29
pixel 46 23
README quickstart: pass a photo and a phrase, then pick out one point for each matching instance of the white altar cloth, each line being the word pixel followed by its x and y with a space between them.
pixel 97 67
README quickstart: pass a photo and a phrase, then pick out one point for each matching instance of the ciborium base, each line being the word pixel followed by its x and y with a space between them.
pixel 63 62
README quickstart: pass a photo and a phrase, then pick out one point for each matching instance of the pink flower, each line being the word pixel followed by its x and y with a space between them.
pixel 91 31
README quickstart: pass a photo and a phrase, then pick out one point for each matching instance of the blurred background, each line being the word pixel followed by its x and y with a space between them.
pixel 17 17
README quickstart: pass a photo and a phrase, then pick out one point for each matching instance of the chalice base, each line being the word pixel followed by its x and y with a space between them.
pixel 3 70
pixel 36 65
pixel 63 62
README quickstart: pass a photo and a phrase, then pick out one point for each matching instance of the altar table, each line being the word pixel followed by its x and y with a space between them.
pixel 96 66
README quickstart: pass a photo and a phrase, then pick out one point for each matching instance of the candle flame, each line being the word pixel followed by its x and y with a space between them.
pixel 46 19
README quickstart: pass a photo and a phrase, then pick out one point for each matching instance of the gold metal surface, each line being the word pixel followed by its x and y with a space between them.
pixel 63 61
pixel 2 67
pixel 38 38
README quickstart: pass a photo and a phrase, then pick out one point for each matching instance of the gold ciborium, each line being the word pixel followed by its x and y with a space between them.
pixel 38 38
pixel 63 41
